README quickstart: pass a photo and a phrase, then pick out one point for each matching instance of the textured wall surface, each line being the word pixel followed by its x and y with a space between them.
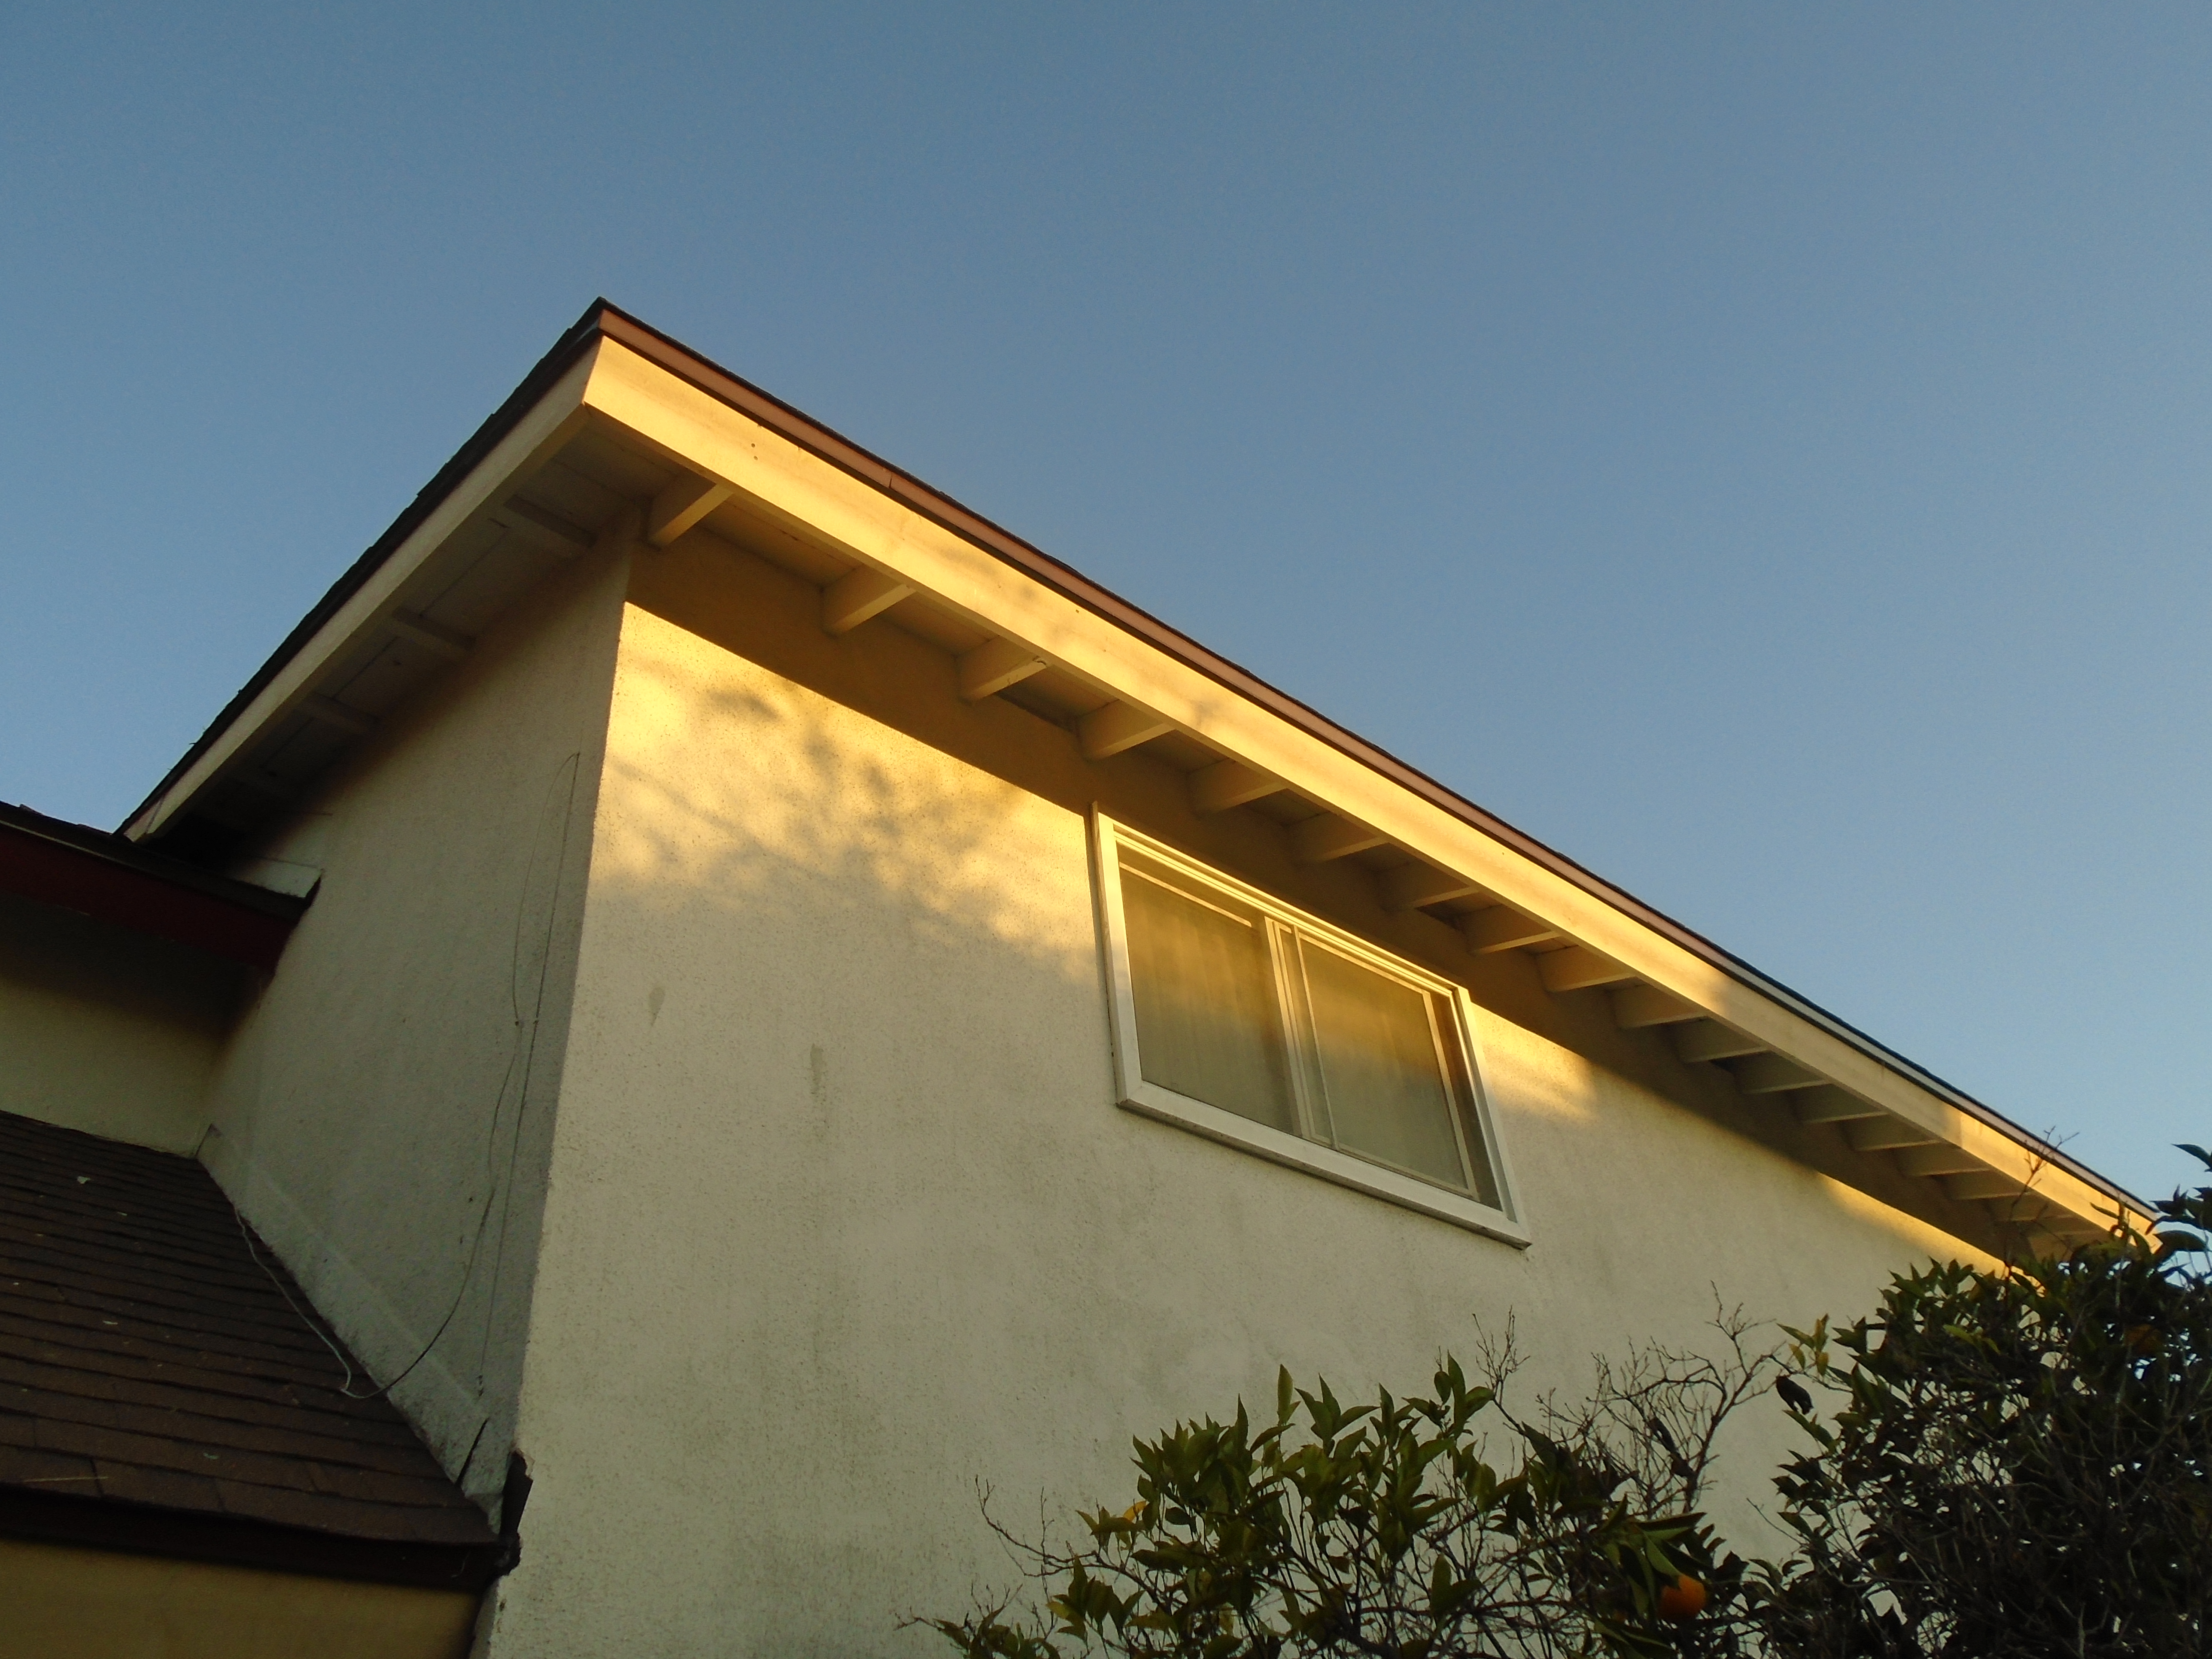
pixel 107 1031
pixel 379 1115
pixel 67 1603
pixel 841 1218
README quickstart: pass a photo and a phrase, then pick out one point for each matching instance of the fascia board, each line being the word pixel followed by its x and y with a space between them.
pixel 703 432
pixel 549 424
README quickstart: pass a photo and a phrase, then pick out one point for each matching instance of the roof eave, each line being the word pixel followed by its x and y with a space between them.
pixel 232 1540
pixel 605 321
pixel 480 444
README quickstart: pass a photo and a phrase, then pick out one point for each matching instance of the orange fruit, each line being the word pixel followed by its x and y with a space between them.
pixel 1683 1600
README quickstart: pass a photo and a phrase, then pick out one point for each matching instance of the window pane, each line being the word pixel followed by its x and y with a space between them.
pixel 1206 999
pixel 1389 1098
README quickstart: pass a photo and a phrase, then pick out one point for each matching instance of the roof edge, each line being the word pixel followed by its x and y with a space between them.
pixel 112 880
pixel 971 526
pixel 480 443
pixel 112 848
pixel 605 320
pixel 134 1528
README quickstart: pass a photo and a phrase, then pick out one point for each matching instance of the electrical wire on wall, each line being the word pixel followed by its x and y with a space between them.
pixel 564 785
pixel 525 1004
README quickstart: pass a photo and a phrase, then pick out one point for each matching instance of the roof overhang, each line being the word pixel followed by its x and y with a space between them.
pixel 715 439
pixel 110 878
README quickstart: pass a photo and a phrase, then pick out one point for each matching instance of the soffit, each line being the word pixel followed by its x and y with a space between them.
pixel 635 442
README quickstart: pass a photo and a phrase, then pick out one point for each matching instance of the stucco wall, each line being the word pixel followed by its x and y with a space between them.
pixel 67 1603
pixel 841 1218
pixel 380 1115
pixel 107 1031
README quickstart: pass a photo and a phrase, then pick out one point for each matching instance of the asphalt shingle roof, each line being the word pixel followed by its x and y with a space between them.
pixel 156 1358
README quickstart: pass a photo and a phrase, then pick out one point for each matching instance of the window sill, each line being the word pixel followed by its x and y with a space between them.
pixel 1165 1106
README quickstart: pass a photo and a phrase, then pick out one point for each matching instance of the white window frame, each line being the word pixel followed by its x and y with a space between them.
pixel 1345 1169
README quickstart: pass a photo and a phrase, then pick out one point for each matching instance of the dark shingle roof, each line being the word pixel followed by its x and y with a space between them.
pixel 161 1388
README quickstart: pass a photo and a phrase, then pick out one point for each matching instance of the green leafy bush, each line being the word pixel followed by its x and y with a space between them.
pixel 2021 1463
pixel 1386 1529
pixel 2018 1464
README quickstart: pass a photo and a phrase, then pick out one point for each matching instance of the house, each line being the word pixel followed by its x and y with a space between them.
pixel 191 1462
pixel 766 1000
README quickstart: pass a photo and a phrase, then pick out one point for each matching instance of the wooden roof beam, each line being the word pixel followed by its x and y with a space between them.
pixel 994 666
pixel 1640 1005
pixel 1831 1105
pixel 2073 1229
pixel 1118 726
pixel 326 711
pixel 1886 1134
pixel 434 637
pixel 679 506
pixel 1578 969
pixel 1502 927
pixel 1773 1074
pixel 264 783
pixel 1412 885
pixel 566 537
pixel 1980 1184
pixel 1319 839
pixel 857 595
pixel 1940 1160
pixel 1228 783
pixel 2044 1237
pixel 1708 1039
pixel 2026 1209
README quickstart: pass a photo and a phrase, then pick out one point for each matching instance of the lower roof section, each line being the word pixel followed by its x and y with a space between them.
pixel 165 1387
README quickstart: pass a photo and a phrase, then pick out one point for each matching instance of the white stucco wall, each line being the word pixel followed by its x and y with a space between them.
pixel 841 1218
pixel 107 1031
pixel 379 1115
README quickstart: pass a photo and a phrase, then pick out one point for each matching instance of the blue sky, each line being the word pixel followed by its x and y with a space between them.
pixel 1760 450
